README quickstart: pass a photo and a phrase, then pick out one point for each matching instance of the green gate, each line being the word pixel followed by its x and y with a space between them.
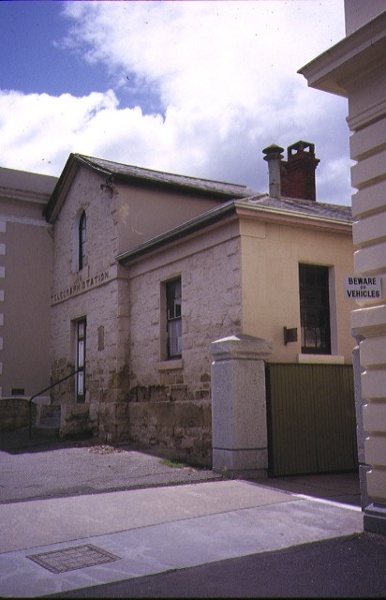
pixel 311 419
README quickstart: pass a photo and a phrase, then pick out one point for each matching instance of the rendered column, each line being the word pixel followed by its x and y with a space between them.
pixel 361 435
pixel 354 68
pixel 239 420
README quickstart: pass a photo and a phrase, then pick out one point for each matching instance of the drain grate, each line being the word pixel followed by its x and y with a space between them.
pixel 69 559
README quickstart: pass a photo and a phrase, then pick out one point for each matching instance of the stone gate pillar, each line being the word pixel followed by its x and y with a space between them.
pixel 239 420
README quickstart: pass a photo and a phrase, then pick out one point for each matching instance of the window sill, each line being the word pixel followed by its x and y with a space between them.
pixel 321 359
pixel 169 365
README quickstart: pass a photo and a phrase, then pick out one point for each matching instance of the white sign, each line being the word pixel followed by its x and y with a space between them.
pixel 363 288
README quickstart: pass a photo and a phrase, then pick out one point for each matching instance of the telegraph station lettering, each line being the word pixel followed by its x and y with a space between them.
pixel 81 286
pixel 363 288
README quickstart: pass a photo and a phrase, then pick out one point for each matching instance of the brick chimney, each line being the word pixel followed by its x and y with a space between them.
pixel 295 177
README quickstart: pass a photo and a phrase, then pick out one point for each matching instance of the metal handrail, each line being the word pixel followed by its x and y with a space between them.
pixel 42 392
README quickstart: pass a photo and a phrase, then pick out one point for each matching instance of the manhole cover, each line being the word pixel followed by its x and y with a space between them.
pixel 69 559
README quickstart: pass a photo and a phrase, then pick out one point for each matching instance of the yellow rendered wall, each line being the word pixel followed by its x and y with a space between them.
pixel 271 254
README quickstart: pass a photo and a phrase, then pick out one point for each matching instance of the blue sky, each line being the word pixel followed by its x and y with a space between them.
pixel 32 37
pixel 197 88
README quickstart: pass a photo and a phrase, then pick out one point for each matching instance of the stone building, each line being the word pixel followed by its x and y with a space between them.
pixel 355 69
pixel 99 210
pixel 150 268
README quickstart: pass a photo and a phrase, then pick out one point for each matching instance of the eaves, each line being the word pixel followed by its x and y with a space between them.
pixel 140 177
pixel 129 174
pixel 337 68
pixel 283 217
pixel 29 197
pixel 182 187
pixel 234 209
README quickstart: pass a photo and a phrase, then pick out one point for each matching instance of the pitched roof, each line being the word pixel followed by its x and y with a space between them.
pixel 130 173
pixel 234 195
pixel 303 208
pixel 306 213
pixel 231 191
pixel 119 172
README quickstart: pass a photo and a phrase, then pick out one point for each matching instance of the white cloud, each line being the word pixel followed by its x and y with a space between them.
pixel 207 55
pixel 225 75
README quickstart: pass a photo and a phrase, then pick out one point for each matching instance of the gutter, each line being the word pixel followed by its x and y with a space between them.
pixel 329 71
pixel 230 209
pixel 278 214
pixel 177 182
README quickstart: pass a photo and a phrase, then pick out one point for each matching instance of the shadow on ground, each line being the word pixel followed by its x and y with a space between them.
pixel 90 466
pixel 20 442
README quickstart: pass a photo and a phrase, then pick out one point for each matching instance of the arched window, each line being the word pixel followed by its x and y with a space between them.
pixel 82 241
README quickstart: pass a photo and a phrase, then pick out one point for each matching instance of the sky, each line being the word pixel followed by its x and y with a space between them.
pixel 197 88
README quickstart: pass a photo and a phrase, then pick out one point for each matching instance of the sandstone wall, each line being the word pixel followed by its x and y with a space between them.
pixel 91 293
pixel 14 413
pixel 170 400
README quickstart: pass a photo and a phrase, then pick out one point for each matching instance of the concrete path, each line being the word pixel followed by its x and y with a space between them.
pixel 155 530
pixel 92 520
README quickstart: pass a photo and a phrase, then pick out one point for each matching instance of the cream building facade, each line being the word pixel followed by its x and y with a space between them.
pixel 355 68
pixel 26 247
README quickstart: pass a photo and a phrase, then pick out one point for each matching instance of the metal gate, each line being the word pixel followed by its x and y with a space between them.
pixel 311 419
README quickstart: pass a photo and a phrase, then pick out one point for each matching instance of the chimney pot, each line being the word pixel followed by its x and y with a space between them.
pixel 272 151
pixel 298 173
pixel 300 148
pixel 295 177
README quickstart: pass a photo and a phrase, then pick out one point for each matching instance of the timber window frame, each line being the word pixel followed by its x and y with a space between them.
pixel 173 318
pixel 80 378
pixel 82 241
pixel 315 318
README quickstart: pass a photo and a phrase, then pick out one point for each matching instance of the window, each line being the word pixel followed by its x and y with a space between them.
pixel 314 309
pixel 80 360
pixel 82 241
pixel 173 318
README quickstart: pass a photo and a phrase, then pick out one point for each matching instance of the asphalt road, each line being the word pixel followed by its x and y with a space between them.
pixel 351 567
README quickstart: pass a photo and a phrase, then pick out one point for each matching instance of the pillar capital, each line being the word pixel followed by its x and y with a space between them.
pixel 241 347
